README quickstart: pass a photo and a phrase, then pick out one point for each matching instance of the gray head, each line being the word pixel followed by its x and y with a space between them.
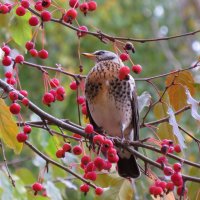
pixel 102 55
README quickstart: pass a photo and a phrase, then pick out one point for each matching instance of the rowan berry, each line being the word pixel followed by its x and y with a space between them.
pixel 77 150
pixel 92 5
pixel 20 11
pixel 45 16
pixel 33 21
pixel 21 137
pixel 60 153
pixel 137 69
pixel 67 147
pixel 85 188
pixel 7 60
pixel 27 129
pixel 19 59
pixel 74 3
pixel 37 187
pixel 124 57
pixel 89 128
pixel 43 54
pixel 15 108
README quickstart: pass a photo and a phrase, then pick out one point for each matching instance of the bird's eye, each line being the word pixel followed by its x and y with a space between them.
pixel 99 53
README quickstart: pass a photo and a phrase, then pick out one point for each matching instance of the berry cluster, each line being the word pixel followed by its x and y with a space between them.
pixel 92 165
pixel 84 7
pixel 30 46
pixel 5 8
pixel 174 172
pixel 56 92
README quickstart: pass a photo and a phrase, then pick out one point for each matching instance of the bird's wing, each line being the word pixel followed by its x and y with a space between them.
pixel 96 127
pixel 135 115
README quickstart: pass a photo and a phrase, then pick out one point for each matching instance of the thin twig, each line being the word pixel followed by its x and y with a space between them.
pixel 6 165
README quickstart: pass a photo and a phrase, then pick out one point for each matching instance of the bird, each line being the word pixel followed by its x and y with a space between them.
pixel 112 105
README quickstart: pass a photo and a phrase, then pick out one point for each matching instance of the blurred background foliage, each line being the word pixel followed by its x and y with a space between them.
pixel 128 18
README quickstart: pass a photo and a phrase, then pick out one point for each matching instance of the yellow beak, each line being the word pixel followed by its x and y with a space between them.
pixel 89 55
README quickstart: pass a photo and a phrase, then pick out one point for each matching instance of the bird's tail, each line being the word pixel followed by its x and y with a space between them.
pixel 128 167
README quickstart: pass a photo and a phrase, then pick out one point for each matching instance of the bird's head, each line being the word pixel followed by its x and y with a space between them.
pixel 102 55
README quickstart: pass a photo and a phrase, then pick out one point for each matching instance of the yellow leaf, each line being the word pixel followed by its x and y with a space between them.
pixel 176 92
pixel 116 188
pixel 8 128
pixel 160 110
pixel 165 131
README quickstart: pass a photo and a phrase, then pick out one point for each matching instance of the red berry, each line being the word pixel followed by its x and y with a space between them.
pixel 43 54
pixel 15 108
pixel 137 69
pixel 48 98
pixel 73 85
pixel 162 184
pixel 177 167
pixel 162 160
pixel 67 147
pixel 33 21
pixel 107 165
pixel 99 163
pixel 84 110
pixel 77 150
pixel 177 148
pixel 19 59
pixel 111 152
pixel 82 28
pixel 11 81
pixel 152 189
pixel 107 144
pixel 181 191
pixel 74 3
pixel 123 72
pixel 38 6
pixel 59 97
pixel 85 160
pixel 37 187
pixel 170 186
pixel 27 129
pixel 4 9
pixel 98 139
pixel 99 191
pixel 46 16
pixel 24 93
pixel 171 149
pixel 22 137
pixel 70 15
pixel 25 3
pixel 91 176
pixel 92 5
pixel 8 74
pixel 168 171
pixel 113 159
pixel 80 100
pixel 85 188
pixel 9 6
pixel 84 7
pixel 25 101
pixel 53 92
pixel 60 153
pixel 33 52
pixel 20 11
pixel 176 178
pixel 13 95
pixel 60 91
pixel 158 191
pixel 54 82
pixel 29 45
pixel 89 128
pixel 7 60
pixel 124 56
pixel 46 3
pixel 6 50
pixel 90 167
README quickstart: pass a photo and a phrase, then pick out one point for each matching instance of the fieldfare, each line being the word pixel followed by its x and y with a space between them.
pixel 112 105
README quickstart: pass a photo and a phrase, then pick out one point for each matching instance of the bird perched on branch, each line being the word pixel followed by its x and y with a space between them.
pixel 112 105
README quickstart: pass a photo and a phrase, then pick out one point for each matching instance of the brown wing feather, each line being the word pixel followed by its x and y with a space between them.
pixel 135 116
pixel 96 128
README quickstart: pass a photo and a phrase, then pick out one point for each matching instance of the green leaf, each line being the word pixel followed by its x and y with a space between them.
pixel 8 128
pixel 20 30
pixel 26 175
